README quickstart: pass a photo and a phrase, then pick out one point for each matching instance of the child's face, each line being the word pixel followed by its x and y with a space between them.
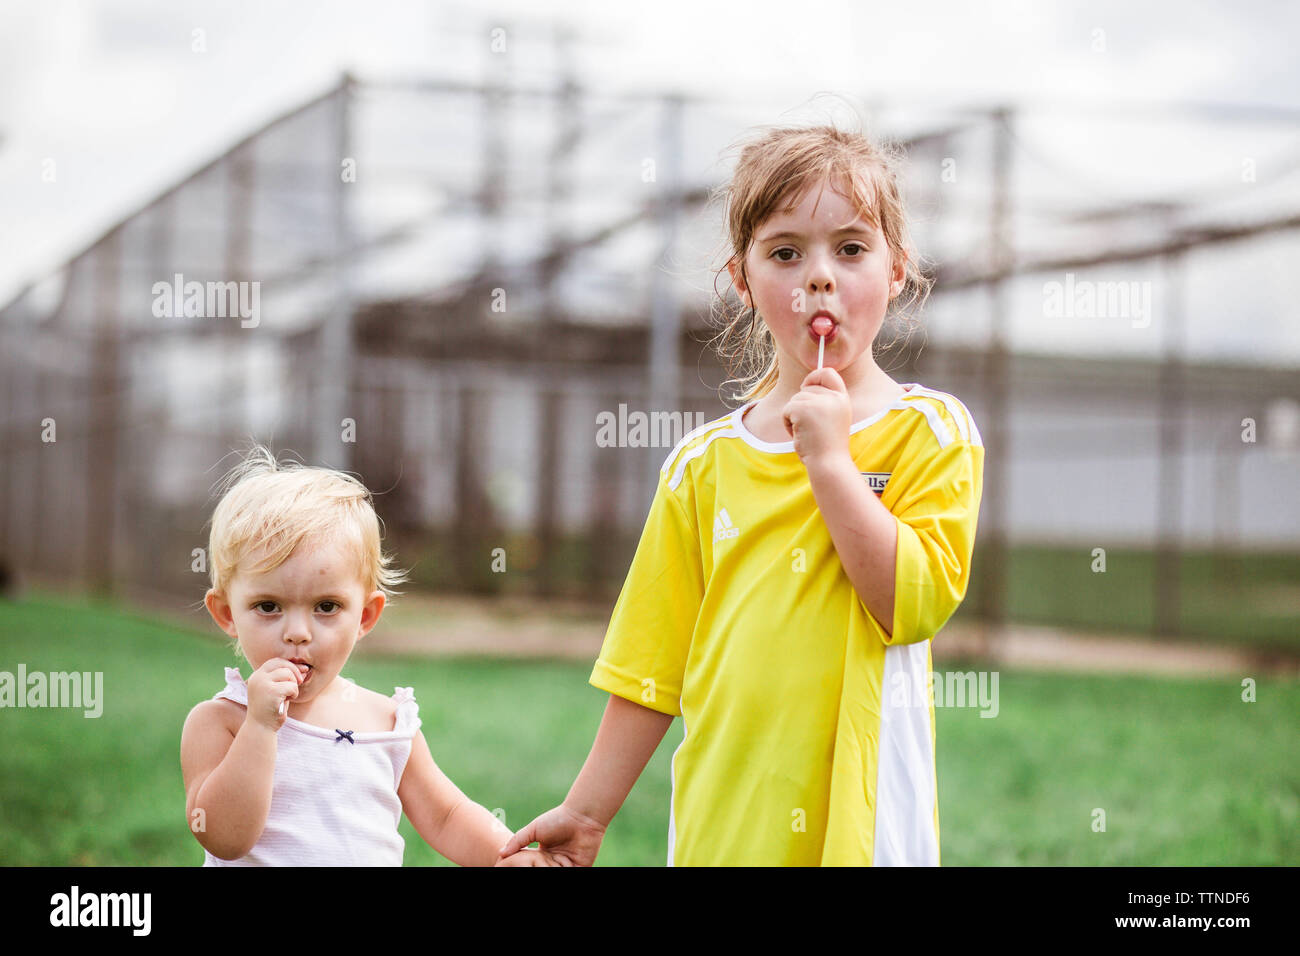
pixel 839 262
pixel 311 609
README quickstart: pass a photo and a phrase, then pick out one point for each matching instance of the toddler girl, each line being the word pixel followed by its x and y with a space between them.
pixel 298 765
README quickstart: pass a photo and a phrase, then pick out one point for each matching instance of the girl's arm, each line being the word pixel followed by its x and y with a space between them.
pixel 228 779
pixel 571 833
pixel 454 825
pixel 864 531
pixel 625 742
pixel 229 763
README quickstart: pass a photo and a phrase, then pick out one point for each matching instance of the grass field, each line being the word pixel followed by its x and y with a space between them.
pixel 1249 599
pixel 1242 600
pixel 1186 772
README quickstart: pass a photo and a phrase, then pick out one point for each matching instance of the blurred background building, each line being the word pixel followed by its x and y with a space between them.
pixel 449 280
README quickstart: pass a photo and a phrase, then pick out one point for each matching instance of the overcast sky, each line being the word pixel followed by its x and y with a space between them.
pixel 116 95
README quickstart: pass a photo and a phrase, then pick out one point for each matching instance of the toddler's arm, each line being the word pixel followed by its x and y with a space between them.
pixel 571 833
pixel 450 822
pixel 229 768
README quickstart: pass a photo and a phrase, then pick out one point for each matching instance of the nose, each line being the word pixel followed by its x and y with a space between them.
pixel 297 627
pixel 820 279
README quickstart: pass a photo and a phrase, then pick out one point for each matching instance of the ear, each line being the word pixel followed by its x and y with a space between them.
pixel 219 608
pixel 370 612
pixel 898 275
pixel 738 280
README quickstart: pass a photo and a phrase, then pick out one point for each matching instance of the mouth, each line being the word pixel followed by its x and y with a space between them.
pixel 304 669
pixel 823 324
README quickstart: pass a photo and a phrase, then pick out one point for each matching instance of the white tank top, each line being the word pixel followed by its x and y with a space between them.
pixel 334 801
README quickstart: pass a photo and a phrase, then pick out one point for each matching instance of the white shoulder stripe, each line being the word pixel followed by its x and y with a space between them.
pixel 935 420
pixel 689 437
pixel 949 403
pixel 696 452
pixel 960 414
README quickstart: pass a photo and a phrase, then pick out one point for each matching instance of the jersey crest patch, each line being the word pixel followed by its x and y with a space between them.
pixel 876 480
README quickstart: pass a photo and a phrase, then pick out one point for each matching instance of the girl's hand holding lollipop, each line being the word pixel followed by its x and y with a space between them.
pixel 820 415
pixel 270 688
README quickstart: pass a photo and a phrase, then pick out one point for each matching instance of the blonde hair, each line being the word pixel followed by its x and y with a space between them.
pixel 275 506
pixel 777 167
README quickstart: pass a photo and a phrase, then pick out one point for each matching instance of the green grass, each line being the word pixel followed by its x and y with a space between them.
pixel 1246 600
pixel 1242 599
pixel 1186 773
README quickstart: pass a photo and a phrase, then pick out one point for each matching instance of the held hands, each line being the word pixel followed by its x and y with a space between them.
pixel 567 838
pixel 271 683
pixel 819 416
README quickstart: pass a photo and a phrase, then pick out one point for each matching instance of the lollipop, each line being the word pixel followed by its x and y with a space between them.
pixel 821 327
pixel 284 701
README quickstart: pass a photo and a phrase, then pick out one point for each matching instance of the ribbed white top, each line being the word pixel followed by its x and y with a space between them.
pixel 335 800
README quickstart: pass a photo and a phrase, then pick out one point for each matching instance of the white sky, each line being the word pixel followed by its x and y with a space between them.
pixel 116 97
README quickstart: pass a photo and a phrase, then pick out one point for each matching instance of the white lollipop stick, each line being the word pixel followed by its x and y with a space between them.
pixel 284 701
pixel 821 350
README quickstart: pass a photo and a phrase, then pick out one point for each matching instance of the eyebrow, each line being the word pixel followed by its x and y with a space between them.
pixel 843 230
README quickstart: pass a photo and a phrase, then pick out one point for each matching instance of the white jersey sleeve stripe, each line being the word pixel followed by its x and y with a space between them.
pixel 696 452
pixel 689 437
pixel 960 414
pixel 932 416
pixel 957 414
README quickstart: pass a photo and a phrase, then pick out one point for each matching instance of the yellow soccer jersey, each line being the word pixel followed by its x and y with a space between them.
pixel 809 735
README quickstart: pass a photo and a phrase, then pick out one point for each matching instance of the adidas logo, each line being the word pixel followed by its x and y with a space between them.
pixel 723 528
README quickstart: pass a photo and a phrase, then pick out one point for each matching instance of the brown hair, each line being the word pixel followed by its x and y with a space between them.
pixel 776 167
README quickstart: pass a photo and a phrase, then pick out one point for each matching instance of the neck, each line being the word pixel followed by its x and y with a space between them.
pixel 864 380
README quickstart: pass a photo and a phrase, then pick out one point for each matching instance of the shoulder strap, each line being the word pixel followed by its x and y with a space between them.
pixel 235 688
pixel 408 711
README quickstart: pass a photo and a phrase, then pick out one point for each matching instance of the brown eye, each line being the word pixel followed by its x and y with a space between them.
pixel 266 607
pixel 778 254
pixel 856 246
pixel 328 607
